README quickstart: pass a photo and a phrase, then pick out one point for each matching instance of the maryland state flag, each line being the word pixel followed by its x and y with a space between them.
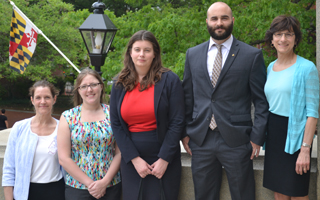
pixel 23 40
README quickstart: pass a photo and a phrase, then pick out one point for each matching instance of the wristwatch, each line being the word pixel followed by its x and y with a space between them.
pixel 306 145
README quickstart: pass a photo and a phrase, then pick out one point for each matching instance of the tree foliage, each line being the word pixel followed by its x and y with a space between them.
pixel 177 24
pixel 52 17
pixel 119 7
pixel 178 29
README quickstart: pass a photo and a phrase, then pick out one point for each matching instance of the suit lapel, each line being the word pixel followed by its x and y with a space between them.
pixel 231 57
pixel 203 59
pixel 123 92
pixel 158 87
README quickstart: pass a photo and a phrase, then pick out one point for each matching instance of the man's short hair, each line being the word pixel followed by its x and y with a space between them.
pixel 3 111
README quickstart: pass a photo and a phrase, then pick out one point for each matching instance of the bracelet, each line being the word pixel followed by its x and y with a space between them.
pixel 306 145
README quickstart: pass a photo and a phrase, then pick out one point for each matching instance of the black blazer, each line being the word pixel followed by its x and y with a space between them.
pixel 241 82
pixel 169 111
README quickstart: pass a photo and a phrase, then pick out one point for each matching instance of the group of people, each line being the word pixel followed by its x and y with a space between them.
pixel 79 157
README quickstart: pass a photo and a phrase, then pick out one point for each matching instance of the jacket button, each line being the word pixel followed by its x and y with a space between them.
pixel 208 119
pixel 213 100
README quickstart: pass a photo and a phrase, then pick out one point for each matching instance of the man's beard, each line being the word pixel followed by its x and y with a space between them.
pixel 226 34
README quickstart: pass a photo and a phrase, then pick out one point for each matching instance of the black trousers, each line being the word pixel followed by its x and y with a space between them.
pixel 47 191
pixel 112 193
pixel 207 163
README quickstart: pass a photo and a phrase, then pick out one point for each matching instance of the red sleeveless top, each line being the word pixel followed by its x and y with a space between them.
pixel 137 109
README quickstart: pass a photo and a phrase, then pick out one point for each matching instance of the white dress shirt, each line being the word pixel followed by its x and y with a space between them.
pixel 213 50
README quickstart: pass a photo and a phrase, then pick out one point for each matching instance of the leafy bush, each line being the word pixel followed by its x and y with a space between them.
pixel 176 28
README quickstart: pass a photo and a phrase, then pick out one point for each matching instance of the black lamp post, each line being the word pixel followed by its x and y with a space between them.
pixel 98 32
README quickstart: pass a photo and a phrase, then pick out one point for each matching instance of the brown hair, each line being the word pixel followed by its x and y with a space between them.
pixel 77 100
pixel 43 83
pixel 128 76
pixel 281 23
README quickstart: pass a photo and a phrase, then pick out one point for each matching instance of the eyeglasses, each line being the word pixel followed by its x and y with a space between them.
pixel 85 87
pixel 287 35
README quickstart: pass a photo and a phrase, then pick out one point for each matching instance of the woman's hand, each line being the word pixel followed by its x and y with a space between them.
pixel 303 161
pixel 159 168
pixel 97 189
pixel 141 166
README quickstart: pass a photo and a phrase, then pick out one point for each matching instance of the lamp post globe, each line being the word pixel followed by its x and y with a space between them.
pixel 98 32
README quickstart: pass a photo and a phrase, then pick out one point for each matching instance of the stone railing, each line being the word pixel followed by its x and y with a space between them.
pixel 186 188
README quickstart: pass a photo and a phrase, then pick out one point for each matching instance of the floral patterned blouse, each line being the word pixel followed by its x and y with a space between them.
pixel 92 146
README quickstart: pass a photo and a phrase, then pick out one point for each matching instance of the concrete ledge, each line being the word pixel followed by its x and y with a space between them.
pixel 186 187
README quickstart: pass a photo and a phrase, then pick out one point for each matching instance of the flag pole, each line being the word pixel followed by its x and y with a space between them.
pixel 40 32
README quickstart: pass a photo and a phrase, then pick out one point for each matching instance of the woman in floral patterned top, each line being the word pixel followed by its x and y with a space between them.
pixel 86 146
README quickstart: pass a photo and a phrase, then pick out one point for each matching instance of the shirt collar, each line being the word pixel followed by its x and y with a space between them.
pixel 227 44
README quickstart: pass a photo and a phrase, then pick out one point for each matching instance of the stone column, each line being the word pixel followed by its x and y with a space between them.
pixel 318 67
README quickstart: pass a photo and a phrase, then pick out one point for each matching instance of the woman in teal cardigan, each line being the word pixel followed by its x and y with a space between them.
pixel 292 90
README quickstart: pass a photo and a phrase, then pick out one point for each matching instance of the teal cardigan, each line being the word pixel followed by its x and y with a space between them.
pixel 304 102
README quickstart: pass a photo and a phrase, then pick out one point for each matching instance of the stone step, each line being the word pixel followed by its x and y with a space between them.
pixel 4 135
pixel 2 150
pixel 3 147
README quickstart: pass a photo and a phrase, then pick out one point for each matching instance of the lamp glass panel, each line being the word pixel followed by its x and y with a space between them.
pixel 108 41
pixel 93 40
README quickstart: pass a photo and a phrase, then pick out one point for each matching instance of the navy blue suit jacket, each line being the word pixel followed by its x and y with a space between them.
pixel 241 82
pixel 169 111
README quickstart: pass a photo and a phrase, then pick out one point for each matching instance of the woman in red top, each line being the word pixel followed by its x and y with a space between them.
pixel 147 119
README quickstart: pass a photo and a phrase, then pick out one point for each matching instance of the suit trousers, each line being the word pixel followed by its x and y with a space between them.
pixel 207 163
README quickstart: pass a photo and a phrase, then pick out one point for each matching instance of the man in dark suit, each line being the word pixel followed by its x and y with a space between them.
pixel 222 77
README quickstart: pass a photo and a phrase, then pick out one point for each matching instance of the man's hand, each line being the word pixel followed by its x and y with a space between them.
pixel 255 150
pixel 185 142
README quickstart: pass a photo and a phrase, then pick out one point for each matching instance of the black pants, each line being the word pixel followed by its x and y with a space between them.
pixel 112 193
pixel 47 191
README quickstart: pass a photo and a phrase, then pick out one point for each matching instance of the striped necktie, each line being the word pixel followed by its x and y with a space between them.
pixel 215 75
